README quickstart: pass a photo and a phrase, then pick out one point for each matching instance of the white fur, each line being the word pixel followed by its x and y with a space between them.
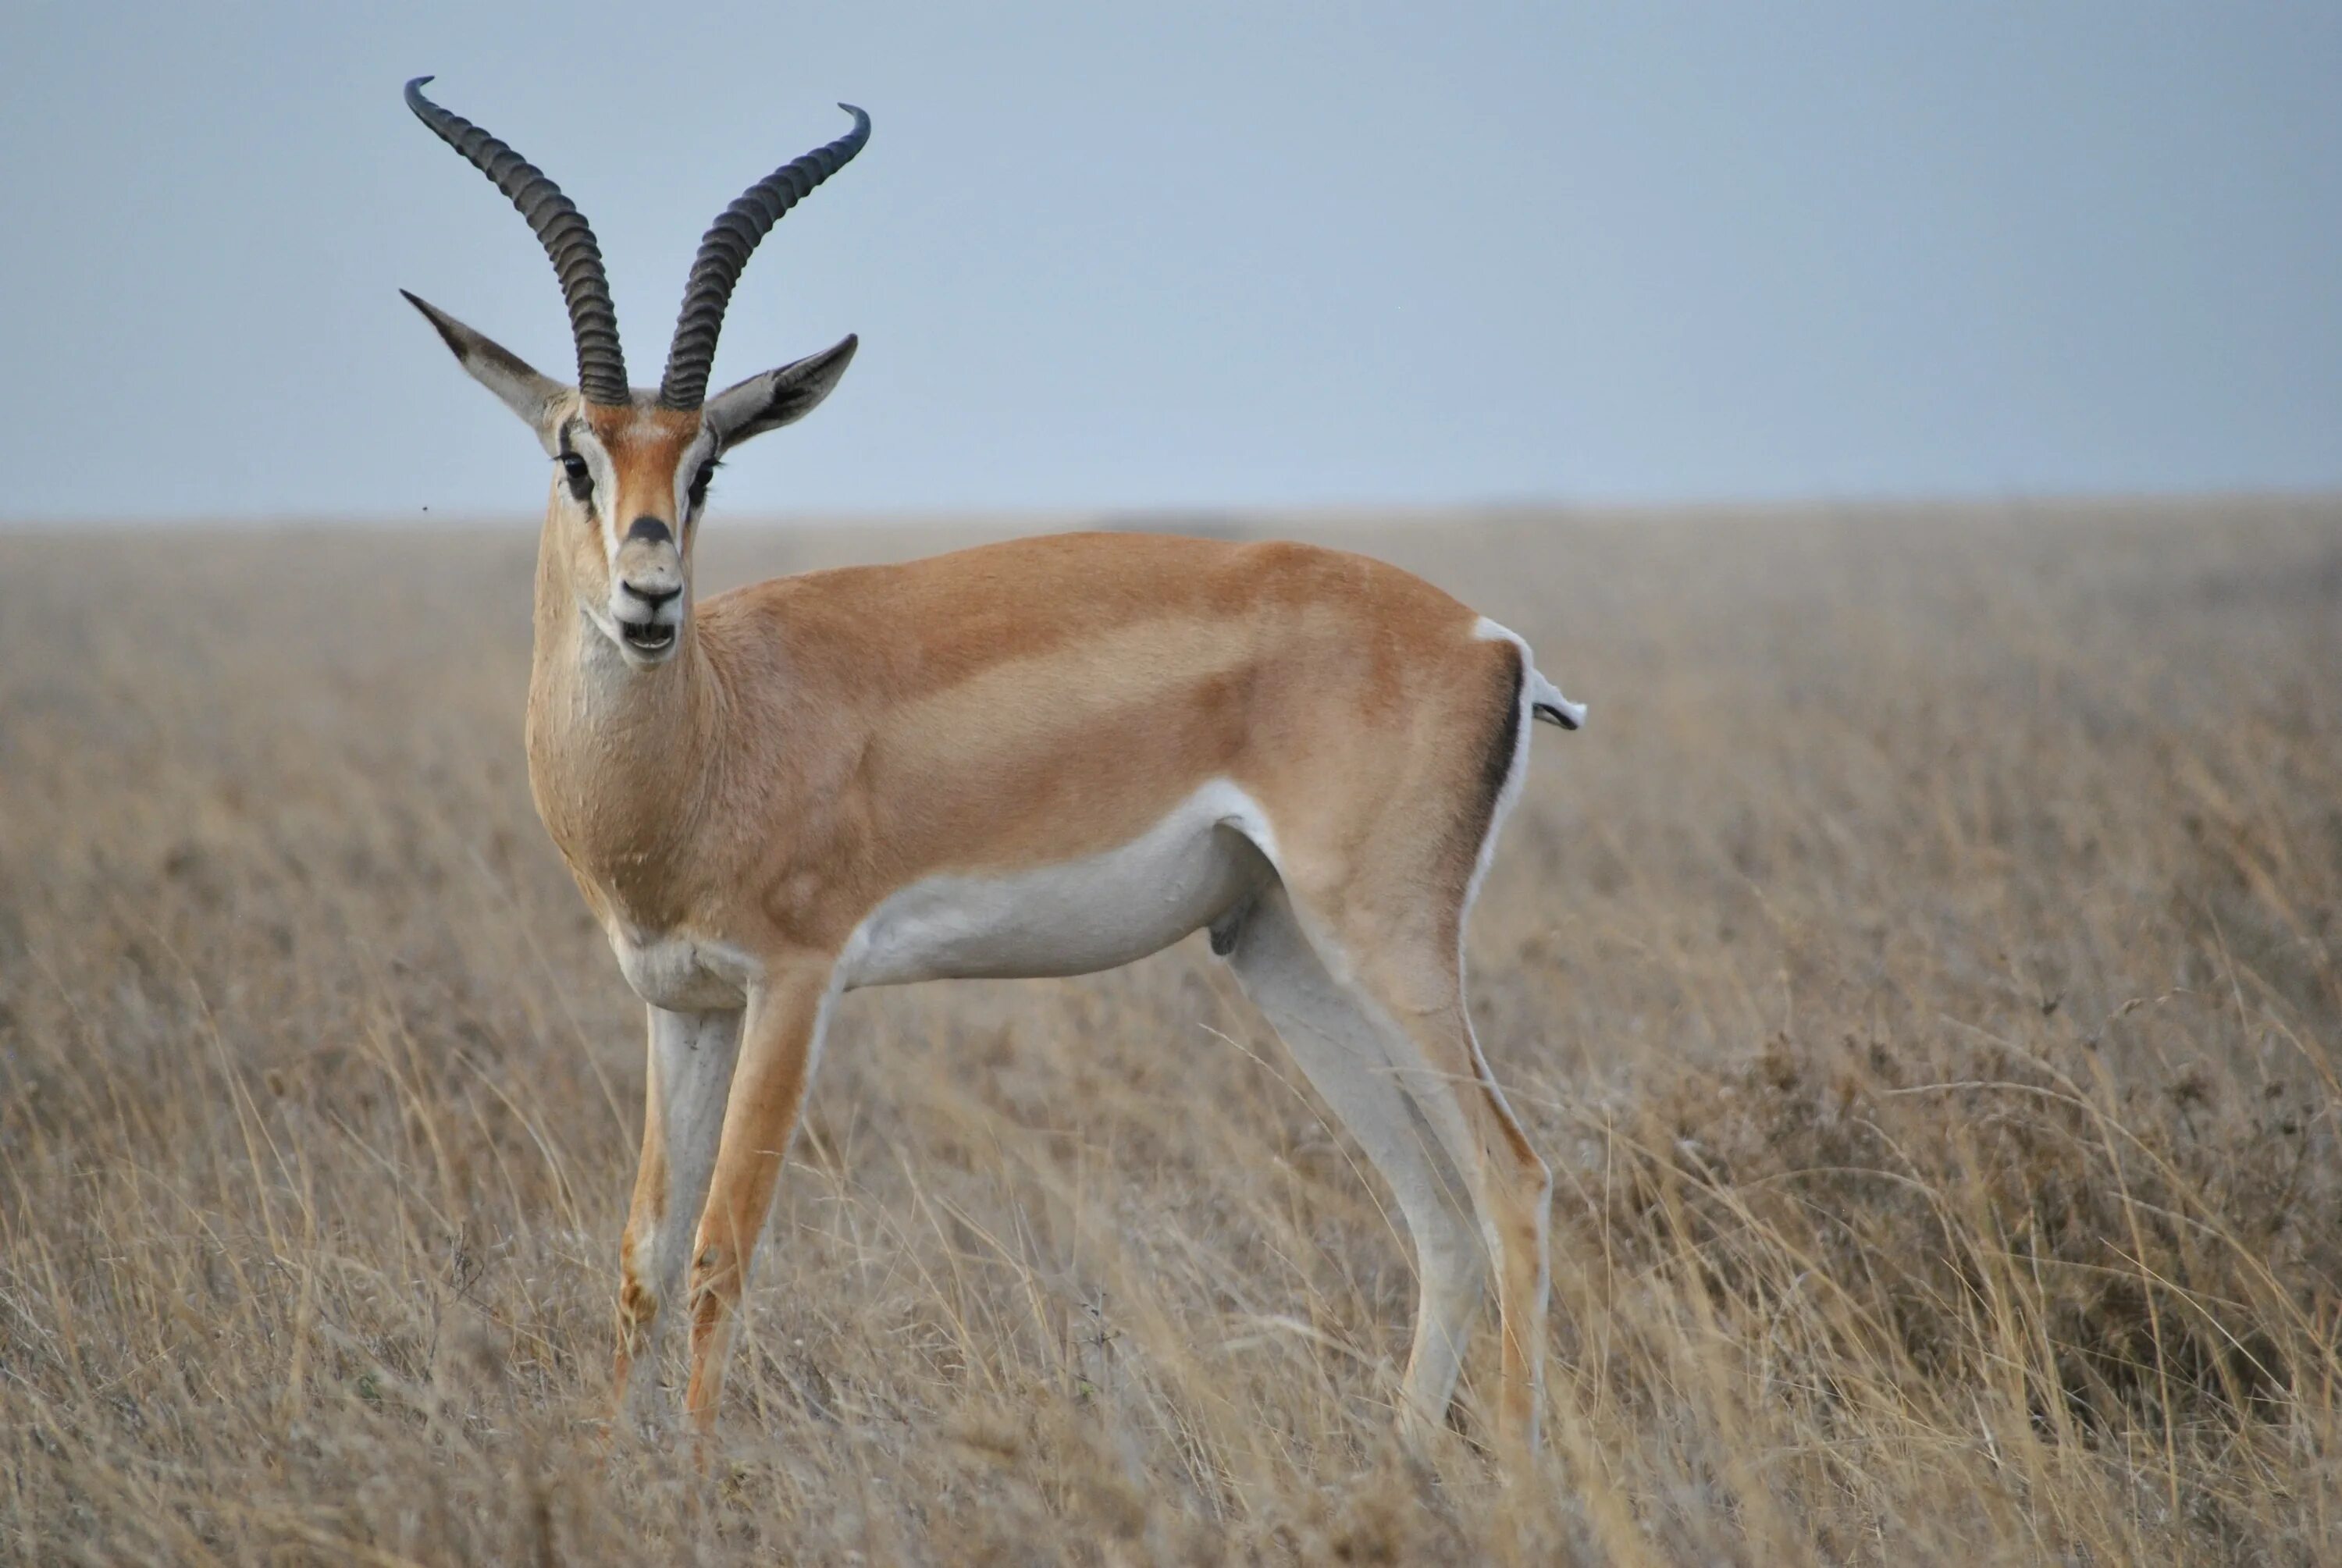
pixel 682 972
pixel 1516 772
pixel 1202 859
pixel 692 1058
pixel 604 475
pixel 1540 689
pixel 1377 1079
pixel 1208 856
pixel 699 452
pixel 1543 691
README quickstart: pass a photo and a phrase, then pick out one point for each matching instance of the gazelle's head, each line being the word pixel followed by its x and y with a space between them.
pixel 632 464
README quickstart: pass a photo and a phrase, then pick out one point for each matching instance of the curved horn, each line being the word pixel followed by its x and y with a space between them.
pixel 725 249
pixel 564 232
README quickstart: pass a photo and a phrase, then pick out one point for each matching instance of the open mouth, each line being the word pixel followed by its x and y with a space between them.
pixel 648 636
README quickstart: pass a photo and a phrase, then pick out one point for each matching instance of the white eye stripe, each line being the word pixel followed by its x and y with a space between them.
pixel 700 454
pixel 605 486
pixel 601 470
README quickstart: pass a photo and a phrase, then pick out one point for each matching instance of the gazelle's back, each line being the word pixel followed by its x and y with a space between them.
pixel 1056 697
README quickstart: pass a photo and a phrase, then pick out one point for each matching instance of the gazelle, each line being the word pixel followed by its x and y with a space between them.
pixel 1044 757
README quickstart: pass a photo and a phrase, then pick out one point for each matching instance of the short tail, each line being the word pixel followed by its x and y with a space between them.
pixel 1546 702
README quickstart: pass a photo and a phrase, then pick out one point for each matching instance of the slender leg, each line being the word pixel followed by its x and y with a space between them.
pixel 1515 1201
pixel 1392 951
pixel 1418 985
pixel 1346 1051
pixel 778 1044
pixel 691 1058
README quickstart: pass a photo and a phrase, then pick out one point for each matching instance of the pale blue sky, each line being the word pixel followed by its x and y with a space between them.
pixel 1196 255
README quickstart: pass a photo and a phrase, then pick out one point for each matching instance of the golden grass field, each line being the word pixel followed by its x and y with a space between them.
pixel 1922 975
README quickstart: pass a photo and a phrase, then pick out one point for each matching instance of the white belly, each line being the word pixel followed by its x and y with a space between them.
pixel 1075 917
pixel 683 973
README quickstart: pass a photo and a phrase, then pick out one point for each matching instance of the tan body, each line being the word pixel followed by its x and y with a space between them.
pixel 822 744
pixel 1023 703
pixel 1042 757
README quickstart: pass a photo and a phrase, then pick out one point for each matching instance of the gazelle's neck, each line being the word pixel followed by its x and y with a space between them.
pixel 618 757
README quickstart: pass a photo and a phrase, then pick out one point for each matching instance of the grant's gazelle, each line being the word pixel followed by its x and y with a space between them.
pixel 1042 757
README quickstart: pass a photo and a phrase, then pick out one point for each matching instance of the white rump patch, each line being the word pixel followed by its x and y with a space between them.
pixel 1516 772
pixel 1542 692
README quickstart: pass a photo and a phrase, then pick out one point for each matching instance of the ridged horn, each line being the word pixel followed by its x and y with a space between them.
pixel 564 232
pixel 724 250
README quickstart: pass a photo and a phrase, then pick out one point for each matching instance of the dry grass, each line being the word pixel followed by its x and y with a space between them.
pixel 1923 975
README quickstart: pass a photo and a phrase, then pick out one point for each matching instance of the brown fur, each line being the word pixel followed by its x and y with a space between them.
pixel 819 742
pixel 1005 707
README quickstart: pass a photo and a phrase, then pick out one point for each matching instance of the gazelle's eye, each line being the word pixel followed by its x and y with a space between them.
pixel 699 482
pixel 580 477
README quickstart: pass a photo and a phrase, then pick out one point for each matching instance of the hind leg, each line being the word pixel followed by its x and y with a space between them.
pixel 1514 1190
pixel 1346 1052
pixel 1393 951
pixel 1416 981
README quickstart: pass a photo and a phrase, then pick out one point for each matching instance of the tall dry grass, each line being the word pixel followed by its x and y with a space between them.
pixel 1922 975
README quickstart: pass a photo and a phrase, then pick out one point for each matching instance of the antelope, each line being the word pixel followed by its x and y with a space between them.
pixel 1044 757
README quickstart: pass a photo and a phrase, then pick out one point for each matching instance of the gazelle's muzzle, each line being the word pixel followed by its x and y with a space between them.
pixel 646 590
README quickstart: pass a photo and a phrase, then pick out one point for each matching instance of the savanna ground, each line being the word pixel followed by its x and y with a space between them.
pixel 1922 975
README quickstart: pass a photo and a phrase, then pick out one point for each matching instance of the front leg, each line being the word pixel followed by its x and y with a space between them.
pixel 691 1059
pixel 780 1039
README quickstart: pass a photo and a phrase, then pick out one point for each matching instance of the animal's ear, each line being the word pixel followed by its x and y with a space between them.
pixel 777 397
pixel 535 396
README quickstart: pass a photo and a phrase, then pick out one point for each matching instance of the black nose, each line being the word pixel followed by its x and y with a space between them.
pixel 652 529
pixel 654 597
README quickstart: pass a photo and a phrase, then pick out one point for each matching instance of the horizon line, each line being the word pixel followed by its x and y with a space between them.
pixel 1137 518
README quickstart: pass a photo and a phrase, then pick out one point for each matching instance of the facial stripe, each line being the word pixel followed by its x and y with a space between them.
pixel 700 450
pixel 577 437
